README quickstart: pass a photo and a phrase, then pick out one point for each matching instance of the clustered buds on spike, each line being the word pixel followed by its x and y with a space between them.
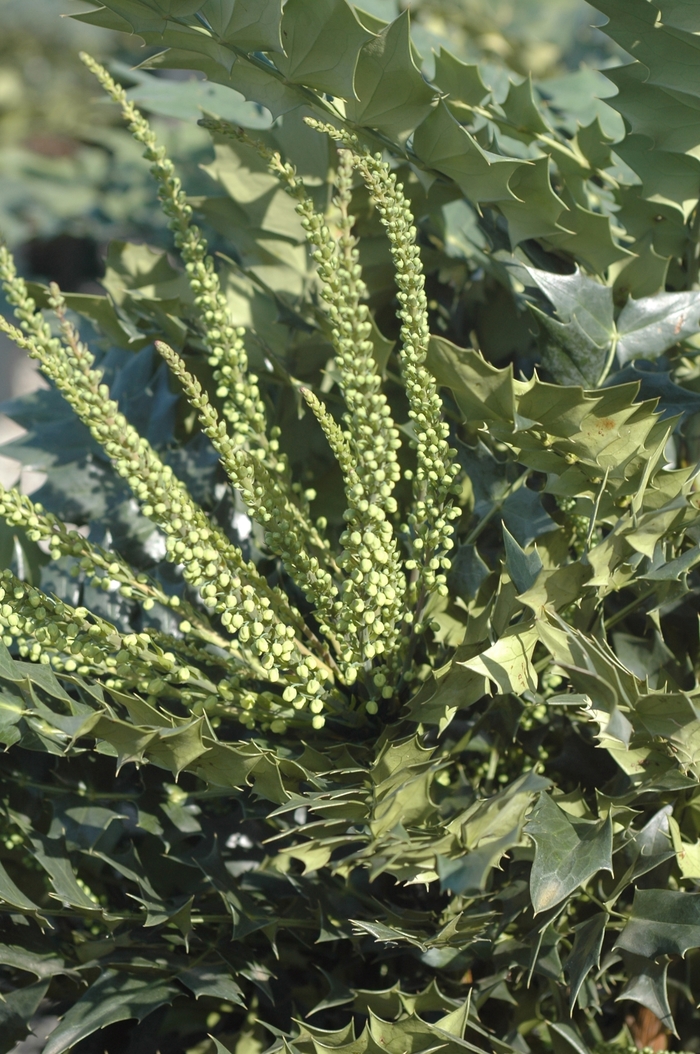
pixel 245 650
pixel 237 386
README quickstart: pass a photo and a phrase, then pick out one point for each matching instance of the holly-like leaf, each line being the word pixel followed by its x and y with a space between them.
pixel 567 854
pixel 649 326
pixel 585 954
pixel 460 81
pixel 508 662
pixel 662 922
pixel 569 354
pixel 523 568
pixel 188 100
pixel 525 517
pixel 16 1011
pixel 51 854
pixel 576 296
pixel 212 981
pixel 687 854
pixel 656 383
pixel 253 25
pixel 391 92
pixel 647 986
pixel 177 748
pixel 467 572
pixel 591 239
pixel 322 41
pixel 566 1038
pixel 12 895
pixel 523 117
pixel 538 212
pixel 114 996
pixel 129 16
pixel 443 144
pixel 42 963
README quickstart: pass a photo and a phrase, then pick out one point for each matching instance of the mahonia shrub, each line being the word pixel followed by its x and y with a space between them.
pixel 349 673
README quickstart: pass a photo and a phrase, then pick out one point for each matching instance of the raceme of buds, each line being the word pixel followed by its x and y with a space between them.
pixel 245 651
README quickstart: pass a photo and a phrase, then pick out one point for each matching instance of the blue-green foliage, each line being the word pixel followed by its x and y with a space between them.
pixel 455 806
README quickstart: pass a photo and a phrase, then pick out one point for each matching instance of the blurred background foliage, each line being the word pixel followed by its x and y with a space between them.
pixel 68 170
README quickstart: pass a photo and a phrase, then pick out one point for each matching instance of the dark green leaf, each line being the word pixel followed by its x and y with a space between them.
pixel 112 997
pixel 467 572
pixel 525 517
pixel 647 986
pixel 663 922
pixel 322 41
pixel 649 326
pixel 523 568
pixel 16 1011
pixel 443 144
pixel 213 981
pixel 392 94
pixel 567 855
pixel 253 25
pixel 579 297
pixel 585 953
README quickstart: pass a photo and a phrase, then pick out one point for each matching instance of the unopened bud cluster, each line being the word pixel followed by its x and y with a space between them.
pixel 436 471
pixel 238 388
pixel 244 649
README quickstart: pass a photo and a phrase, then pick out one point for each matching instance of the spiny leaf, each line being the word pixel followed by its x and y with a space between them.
pixel 442 143
pixel 585 954
pixel 461 82
pixel 16 1012
pixel 579 297
pixel 538 212
pixel 649 326
pixel 253 25
pixel 567 855
pixel 663 922
pixel 392 95
pixel 322 42
pixel 648 987
pixel 112 997
pixel 523 568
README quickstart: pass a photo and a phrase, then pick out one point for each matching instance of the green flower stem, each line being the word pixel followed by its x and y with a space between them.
pixel 337 438
pixel 106 567
pixel 267 505
pixel 51 632
pixel 434 481
pixel 210 562
pixel 243 404
pixel 372 597
pixel 430 519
